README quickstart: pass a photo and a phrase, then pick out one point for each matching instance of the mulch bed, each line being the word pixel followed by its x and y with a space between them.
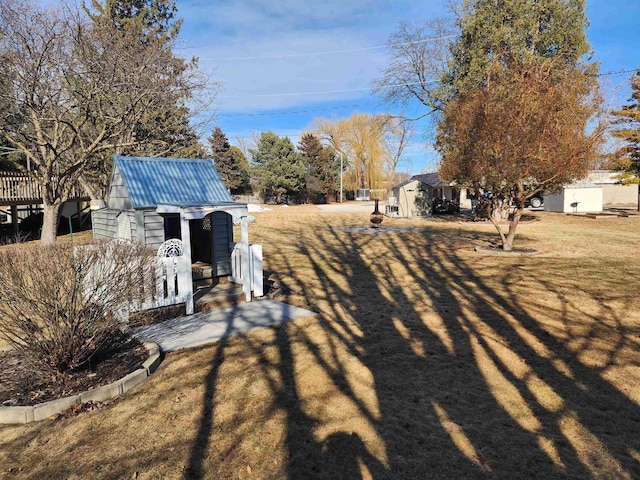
pixel 19 385
pixel 498 251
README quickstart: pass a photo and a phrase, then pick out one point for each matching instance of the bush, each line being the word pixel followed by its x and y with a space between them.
pixel 59 305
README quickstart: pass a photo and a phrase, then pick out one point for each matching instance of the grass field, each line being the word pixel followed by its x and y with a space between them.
pixel 426 360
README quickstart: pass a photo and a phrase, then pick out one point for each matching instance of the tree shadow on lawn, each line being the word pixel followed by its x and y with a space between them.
pixel 425 361
pixel 467 383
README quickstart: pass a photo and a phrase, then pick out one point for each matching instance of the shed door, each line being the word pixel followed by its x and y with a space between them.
pixel 222 237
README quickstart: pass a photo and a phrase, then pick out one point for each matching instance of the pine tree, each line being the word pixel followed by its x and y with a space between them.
pixel 164 128
pixel 227 162
pixel 278 167
pixel 627 128
pixel 322 164
pixel 243 167
pixel 515 32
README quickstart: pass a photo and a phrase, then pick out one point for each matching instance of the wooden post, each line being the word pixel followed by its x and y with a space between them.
pixel 185 275
pixel 14 221
pixel 256 270
pixel 246 267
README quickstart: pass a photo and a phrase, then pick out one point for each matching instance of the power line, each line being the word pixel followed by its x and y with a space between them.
pixel 619 72
pixel 295 112
pixel 323 92
pixel 324 109
pixel 327 52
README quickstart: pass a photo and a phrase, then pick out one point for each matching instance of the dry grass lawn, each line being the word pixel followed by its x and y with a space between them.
pixel 426 360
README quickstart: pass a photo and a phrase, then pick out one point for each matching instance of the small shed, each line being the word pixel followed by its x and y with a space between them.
pixel 614 193
pixel 578 197
pixel 156 199
pixel 414 197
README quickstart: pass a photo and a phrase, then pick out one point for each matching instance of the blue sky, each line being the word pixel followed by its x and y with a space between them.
pixel 276 73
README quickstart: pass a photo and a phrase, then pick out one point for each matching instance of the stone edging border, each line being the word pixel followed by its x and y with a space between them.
pixel 34 413
pixel 502 253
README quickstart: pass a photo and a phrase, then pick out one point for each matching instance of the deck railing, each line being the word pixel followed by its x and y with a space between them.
pixel 22 188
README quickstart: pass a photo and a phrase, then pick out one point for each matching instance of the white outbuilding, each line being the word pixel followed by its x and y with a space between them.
pixel 578 197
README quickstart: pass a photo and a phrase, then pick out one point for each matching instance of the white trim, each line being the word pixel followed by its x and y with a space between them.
pixel 185 277
pixel 236 210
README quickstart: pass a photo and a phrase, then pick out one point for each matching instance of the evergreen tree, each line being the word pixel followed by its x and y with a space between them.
pixel 278 167
pixel 151 18
pixel 515 32
pixel 627 128
pixel 243 167
pixel 322 164
pixel 163 129
pixel 228 164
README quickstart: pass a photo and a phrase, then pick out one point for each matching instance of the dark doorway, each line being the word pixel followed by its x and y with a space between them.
pixel 211 239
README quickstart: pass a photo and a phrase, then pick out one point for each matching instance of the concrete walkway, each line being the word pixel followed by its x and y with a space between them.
pixel 210 326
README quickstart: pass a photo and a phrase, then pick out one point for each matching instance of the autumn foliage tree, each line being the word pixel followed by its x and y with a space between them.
pixel 520 97
pixel 522 133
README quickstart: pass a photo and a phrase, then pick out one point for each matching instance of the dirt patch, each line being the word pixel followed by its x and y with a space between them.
pixel 156 315
pixel 21 386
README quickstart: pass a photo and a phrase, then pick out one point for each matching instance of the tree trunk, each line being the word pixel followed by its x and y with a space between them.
pixel 50 223
pixel 94 193
pixel 499 210
pixel 507 243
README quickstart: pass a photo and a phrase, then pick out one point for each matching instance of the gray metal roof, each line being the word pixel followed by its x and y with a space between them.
pixel 171 181
pixel 402 184
pixel 431 179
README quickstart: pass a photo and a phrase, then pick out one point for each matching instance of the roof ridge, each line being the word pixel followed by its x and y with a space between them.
pixel 163 159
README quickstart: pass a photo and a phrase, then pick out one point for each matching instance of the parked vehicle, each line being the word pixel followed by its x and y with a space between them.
pixel 444 206
pixel 534 202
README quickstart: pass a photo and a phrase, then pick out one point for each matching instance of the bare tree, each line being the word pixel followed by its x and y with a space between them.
pixel 399 133
pixel 77 91
pixel 418 57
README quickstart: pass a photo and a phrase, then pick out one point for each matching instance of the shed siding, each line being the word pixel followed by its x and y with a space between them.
pixel 119 198
pixel 104 224
pixel 153 229
pixel 620 195
pixel 222 239
pixel 132 221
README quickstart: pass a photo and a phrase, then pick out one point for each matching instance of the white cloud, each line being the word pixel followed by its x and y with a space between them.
pixel 254 29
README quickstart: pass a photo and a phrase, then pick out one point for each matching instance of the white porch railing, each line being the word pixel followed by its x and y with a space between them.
pixel 255 279
pixel 169 284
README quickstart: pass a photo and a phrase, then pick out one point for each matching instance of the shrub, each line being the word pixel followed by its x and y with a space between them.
pixel 59 305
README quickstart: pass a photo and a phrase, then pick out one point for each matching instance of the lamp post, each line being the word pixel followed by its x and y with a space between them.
pixel 341 157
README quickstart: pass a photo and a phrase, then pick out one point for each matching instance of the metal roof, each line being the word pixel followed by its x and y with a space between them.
pixel 171 181
pixel 431 179
pixel 402 184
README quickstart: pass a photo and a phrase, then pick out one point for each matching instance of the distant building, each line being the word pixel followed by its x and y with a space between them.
pixel 414 197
